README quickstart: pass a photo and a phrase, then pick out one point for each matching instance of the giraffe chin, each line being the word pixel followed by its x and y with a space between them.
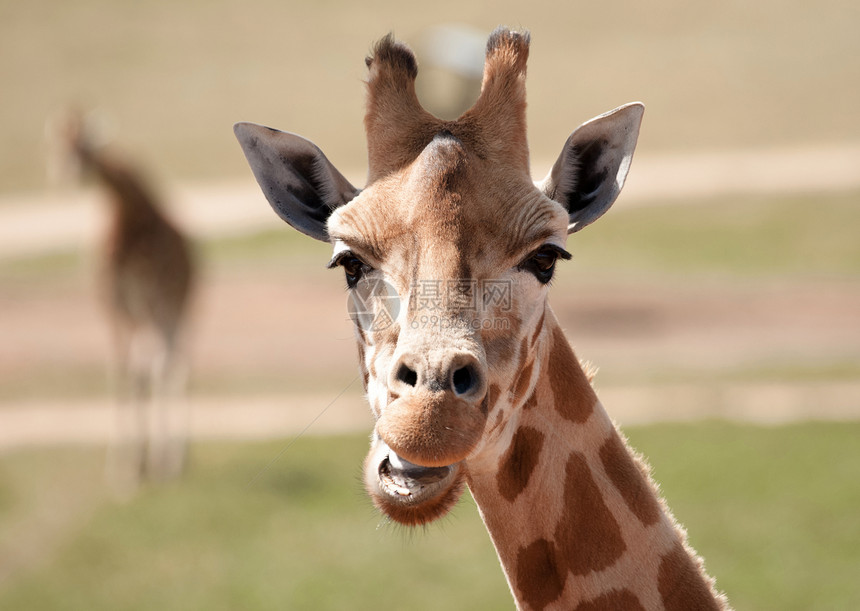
pixel 408 493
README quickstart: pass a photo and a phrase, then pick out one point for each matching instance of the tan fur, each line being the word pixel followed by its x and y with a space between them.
pixel 398 128
pixel 558 489
pixel 449 215
pixel 587 478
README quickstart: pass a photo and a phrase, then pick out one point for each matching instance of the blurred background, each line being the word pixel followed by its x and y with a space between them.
pixel 719 298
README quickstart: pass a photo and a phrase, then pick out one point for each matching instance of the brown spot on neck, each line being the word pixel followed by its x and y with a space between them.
pixel 682 585
pixel 588 537
pixel 630 480
pixel 616 600
pixel 539 578
pixel 133 199
pixel 519 462
pixel 573 395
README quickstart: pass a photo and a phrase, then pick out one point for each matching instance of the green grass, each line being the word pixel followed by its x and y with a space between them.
pixel 741 238
pixel 62 263
pixel 298 535
pixel 789 371
pixel 773 510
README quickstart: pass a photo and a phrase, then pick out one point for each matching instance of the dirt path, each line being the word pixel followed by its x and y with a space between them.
pixel 325 413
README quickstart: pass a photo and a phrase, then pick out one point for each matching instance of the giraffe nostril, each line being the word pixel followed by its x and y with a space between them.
pixel 463 380
pixel 407 375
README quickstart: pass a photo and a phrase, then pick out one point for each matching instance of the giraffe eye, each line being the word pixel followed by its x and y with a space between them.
pixel 353 267
pixel 541 263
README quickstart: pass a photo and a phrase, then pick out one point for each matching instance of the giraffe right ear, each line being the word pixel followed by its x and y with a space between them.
pixel 301 184
pixel 593 165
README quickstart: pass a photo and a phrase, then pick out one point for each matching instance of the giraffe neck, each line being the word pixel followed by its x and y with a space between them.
pixel 133 203
pixel 571 510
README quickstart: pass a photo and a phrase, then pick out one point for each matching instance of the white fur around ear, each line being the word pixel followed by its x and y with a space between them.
pixel 591 170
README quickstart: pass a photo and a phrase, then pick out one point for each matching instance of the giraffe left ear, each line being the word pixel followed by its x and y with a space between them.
pixel 301 184
pixel 588 175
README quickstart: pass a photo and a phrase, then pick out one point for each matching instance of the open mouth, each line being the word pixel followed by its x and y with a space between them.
pixel 411 482
pixel 408 493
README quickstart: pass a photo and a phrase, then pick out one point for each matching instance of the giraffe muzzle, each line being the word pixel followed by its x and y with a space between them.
pixel 435 415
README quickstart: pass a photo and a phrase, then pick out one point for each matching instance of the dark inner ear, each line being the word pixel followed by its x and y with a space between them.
pixel 593 165
pixel 589 176
pixel 305 184
pixel 300 183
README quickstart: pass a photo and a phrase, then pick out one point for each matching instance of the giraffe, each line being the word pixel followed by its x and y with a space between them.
pixel 472 381
pixel 146 281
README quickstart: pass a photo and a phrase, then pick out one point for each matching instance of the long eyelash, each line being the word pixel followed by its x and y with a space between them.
pixel 562 253
pixel 335 261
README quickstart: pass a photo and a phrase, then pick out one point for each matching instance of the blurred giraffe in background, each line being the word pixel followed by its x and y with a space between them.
pixel 146 278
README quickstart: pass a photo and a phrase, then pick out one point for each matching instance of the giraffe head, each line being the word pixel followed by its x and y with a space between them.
pixel 450 248
pixel 71 138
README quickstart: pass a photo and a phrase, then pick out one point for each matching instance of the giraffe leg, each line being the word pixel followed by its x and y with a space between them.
pixel 140 439
pixel 178 384
pixel 126 465
pixel 177 448
pixel 170 413
pixel 155 426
